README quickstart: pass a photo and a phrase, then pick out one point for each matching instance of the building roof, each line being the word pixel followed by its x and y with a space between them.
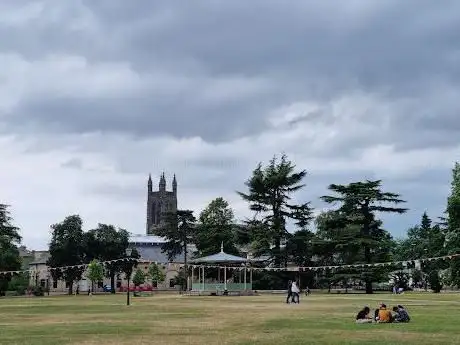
pixel 41 258
pixel 152 251
pixel 221 257
pixel 146 239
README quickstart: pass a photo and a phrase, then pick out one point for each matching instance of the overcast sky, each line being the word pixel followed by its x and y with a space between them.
pixel 96 94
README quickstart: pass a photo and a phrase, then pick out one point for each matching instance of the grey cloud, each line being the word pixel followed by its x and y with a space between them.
pixel 73 163
pixel 305 52
pixel 131 192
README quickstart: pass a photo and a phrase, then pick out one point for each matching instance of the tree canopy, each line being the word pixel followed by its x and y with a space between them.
pixel 453 224
pixel 9 253
pixel 360 229
pixel 216 226
pixel 106 243
pixel 179 232
pixel 67 249
pixel 270 196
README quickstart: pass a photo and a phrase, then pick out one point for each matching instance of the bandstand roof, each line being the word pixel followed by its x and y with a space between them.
pixel 221 257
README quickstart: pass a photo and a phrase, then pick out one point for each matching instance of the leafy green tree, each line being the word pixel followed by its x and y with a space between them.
pixel 139 277
pixel 334 246
pixel 156 274
pixel 9 253
pixel 417 277
pixel 181 280
pixel 130 263
pixel 337 243
pixel 435 281
pixel 359 202
pixel 423 241
pixel 67 249
pixel 401 279
pixel 95 272
pixel 299 248
pixel 179 233
pixel 216 226
pixel 270 194
pixel 453 225
pixel 106 243
pixel 19 283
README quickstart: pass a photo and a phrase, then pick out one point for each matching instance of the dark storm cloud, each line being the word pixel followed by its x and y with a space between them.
pixel 304 51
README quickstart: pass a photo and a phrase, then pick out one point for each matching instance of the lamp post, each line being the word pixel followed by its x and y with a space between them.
pixel 128 275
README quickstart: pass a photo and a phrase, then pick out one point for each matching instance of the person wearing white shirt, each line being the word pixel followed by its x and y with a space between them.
pixel 295 292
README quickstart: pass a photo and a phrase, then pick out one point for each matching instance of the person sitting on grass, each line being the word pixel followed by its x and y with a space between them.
pixel 401 315
pixel 384 314
pixel 363 316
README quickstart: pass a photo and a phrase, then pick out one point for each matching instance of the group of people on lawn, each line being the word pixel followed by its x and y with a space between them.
pixel 383 315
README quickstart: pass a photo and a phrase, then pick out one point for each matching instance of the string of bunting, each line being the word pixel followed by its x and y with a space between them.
pixel 318 268
pixel 81 266
pixel 242 267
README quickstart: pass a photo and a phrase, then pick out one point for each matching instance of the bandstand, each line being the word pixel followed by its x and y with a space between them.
pixel 232 274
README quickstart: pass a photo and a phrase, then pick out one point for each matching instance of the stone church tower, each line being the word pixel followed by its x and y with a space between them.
pixel 159 203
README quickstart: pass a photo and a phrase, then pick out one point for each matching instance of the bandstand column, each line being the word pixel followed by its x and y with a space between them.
pixel 191 285
pixel 245 277
pixel 204 286
pixel 225 278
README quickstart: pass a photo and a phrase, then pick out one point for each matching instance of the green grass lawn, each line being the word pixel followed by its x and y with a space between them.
pixel 264 320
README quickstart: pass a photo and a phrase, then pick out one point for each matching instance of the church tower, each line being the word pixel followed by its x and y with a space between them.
pixel 159 203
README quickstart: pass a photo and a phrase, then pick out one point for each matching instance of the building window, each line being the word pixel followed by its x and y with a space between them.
pixel 172 283
pixel 118 284
pixel 67 285
pixel 43 283
pixel 54 284
pixel 100 284
pixel 154 284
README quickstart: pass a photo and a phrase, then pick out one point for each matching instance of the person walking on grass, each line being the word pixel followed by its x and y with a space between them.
pixel 289 292
pixel 295 292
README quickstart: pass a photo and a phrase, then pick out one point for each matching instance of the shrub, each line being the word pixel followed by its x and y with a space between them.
pixel 38 291
pixel 435 281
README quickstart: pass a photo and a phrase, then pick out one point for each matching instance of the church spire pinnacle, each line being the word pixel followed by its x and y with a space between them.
pixel 149 183
pixel 162 184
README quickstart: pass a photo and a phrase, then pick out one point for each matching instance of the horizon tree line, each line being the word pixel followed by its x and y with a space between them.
pixel 349 233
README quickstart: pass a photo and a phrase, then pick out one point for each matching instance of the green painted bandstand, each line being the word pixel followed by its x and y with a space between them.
pixel 226 278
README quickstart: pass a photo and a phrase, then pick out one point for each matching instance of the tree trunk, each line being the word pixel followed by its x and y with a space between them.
pixel 70 287
pixel 112 281
pixel 367 251
pixel 369 289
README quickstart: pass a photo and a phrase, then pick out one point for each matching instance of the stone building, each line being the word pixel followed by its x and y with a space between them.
pixel 159 203
pixel 150 250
